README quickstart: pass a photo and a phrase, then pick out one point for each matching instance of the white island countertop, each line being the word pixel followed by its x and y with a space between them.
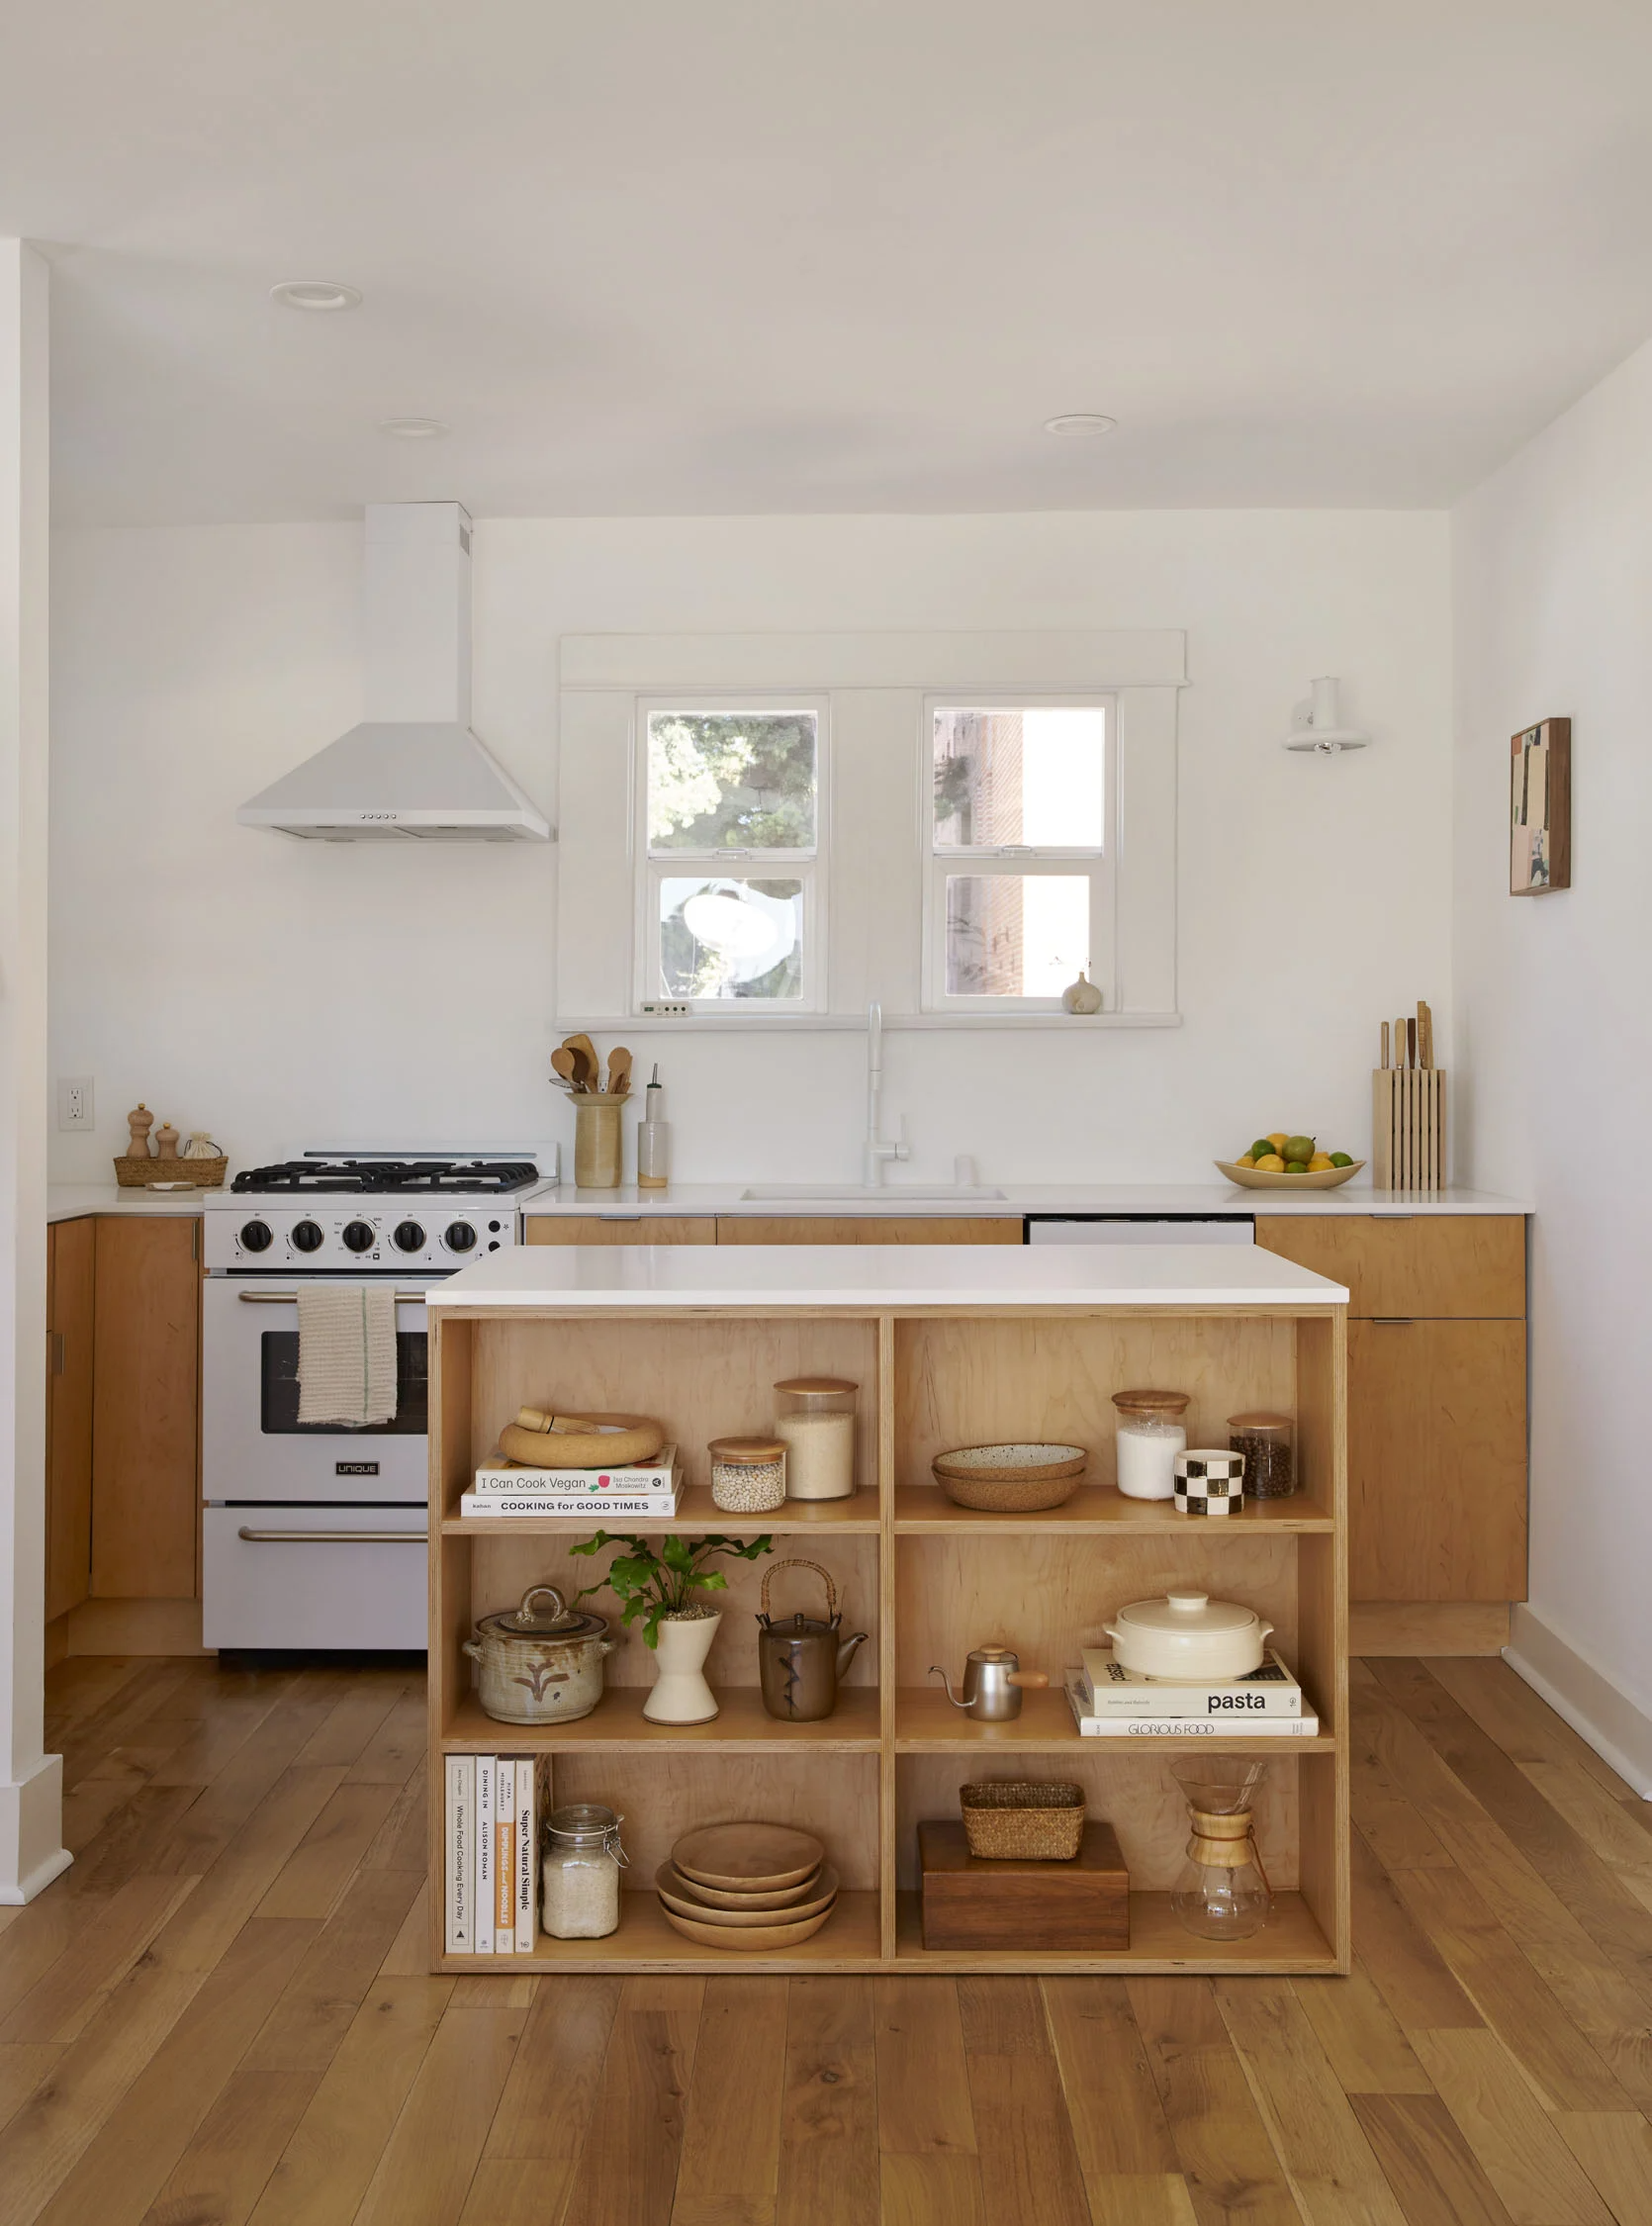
pixel 1216 1199
pixel 924 1276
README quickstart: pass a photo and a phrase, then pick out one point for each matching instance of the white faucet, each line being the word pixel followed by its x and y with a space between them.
pixel 877 1154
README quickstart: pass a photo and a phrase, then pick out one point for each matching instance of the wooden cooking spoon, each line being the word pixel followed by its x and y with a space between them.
pixel 619 1072
pixel 564 1062
pixel 589 1065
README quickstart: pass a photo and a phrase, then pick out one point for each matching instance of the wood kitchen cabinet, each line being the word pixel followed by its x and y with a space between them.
pixel 1436 1397
pixel 69 1286
pixel 602 1229
pixel 144 1407
pixel 867 1228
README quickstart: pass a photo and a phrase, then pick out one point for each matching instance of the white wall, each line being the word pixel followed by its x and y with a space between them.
pixel 1553 587
pixel 282 993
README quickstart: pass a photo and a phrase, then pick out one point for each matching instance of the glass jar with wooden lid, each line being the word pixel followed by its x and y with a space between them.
pixel 748 1474
pixel 1265 1441
pixel 815 1415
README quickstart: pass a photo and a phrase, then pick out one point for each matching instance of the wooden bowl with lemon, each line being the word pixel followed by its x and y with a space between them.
pixel 1290 1163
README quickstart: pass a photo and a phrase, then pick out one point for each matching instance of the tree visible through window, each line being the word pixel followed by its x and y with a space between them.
pixel 727 790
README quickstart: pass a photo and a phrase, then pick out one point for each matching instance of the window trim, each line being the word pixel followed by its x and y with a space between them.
pixel 810 867
pixel 938 862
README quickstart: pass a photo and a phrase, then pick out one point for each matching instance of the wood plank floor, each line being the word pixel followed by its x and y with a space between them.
pixel 221 2013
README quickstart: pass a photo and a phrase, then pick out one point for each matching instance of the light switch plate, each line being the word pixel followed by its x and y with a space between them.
pixel 75 1108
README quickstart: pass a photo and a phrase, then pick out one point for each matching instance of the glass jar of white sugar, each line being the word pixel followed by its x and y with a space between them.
pixel 580 1872
pixel 815 1415
pixel 1150 1437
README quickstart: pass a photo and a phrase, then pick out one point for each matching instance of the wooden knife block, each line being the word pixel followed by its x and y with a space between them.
pixel 1408 1128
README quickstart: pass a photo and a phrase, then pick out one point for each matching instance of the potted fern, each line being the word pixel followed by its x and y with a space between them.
pixel 658 1591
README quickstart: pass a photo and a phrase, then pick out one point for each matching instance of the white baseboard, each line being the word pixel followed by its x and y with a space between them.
pixel 1616 1727
pixel 31 1850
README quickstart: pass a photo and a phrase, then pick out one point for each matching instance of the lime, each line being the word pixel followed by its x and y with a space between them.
pixel 1298 1147
pixel 1261 1148
pixel 1295 1167
pixel 1340 1160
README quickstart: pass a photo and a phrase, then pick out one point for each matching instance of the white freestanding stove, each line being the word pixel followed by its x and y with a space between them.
pixel 314 1534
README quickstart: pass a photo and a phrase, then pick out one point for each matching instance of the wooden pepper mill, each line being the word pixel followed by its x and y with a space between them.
pixel 139 1121
pixel 166 1141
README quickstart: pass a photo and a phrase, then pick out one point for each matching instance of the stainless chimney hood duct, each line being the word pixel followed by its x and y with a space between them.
pixel 412 770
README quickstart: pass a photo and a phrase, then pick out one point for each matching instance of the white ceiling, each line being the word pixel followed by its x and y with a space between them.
pixel 699 255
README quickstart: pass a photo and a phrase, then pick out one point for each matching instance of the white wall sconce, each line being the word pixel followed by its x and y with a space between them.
pixel 1316 723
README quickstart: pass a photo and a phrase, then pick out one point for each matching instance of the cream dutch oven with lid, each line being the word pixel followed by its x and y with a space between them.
pixel 1187 1634
pixel 537 1667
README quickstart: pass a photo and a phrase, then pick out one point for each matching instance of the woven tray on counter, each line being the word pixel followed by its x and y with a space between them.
pixel 137 1174
pixel 1024 1820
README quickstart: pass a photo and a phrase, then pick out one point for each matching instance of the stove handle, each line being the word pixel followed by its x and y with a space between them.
pixel 290 1298
pixel 332 1537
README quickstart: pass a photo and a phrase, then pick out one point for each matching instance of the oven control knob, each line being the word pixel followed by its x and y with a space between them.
pixel 408 1237
pixel 459 1237
pixel 308 1237
pixel 256 1235
pixel 360 1235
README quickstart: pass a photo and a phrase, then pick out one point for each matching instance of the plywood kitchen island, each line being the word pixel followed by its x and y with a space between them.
pixel 950 1345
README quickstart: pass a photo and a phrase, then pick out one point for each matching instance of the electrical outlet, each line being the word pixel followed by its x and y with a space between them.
pixel 74 1102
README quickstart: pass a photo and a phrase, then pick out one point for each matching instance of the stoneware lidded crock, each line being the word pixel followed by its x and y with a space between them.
pixel 1187 1634
pixel 540 1666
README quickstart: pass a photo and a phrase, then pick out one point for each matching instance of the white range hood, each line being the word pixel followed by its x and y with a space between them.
pixel 413 770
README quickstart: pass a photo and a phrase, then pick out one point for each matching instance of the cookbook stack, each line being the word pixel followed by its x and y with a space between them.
pixel 645 1489
pixel 1109 1702
pixel 492 1842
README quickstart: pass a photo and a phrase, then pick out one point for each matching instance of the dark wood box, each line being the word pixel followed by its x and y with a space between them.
pixel 1081 1907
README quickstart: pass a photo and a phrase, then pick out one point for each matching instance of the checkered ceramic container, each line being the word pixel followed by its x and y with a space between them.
pixel 1210 1480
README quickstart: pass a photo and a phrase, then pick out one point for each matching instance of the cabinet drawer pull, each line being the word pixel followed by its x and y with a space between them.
pixel 290 1298
pixel 333 1537
pixel 1394 1321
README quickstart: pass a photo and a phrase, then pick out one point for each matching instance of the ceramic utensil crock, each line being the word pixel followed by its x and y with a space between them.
pixel 539 1667
pixel 801 1660
pixel 1187 1634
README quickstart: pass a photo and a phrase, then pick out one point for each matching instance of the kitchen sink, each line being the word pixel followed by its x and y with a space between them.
pixel 778 1192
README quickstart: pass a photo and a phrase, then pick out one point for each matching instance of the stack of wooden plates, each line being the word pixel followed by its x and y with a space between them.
pixel 749 1887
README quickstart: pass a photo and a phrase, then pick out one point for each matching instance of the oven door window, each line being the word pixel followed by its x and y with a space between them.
pixel 279 1390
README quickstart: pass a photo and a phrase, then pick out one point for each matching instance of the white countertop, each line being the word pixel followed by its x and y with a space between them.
pixel 68 1201
pixel 1219 1199
pixel 884 1275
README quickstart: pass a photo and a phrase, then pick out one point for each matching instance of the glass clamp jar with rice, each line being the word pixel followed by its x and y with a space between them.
pixel 580 1874
pixel 815 1416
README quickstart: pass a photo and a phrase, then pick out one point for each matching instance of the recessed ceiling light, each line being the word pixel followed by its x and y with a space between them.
pixel 1079 424
pixel 316 294
pixel 413 428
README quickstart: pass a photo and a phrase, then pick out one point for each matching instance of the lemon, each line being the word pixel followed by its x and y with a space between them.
pixel 1340 1160
pixel 1298 1147
pixel 1278 1141
pixel 1271 1163
pixel 1319 1162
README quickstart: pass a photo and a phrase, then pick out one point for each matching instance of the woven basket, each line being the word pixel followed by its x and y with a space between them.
pixel 1024 1821
pixel 137 1174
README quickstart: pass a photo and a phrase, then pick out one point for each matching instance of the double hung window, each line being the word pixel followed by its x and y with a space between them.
pixel 732 840
pixel 1020 838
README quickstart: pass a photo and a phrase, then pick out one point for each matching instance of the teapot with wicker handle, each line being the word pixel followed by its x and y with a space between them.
pixel 801 1659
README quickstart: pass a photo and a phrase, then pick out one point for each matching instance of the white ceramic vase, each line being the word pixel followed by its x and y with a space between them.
pixel 681 1694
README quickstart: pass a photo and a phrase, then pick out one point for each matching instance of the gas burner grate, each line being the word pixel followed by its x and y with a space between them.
pixel 413 1177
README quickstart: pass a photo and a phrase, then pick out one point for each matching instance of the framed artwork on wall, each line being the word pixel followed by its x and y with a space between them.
pixel 1541 808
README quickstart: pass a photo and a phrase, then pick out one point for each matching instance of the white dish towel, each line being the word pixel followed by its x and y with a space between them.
pixel 346 1354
